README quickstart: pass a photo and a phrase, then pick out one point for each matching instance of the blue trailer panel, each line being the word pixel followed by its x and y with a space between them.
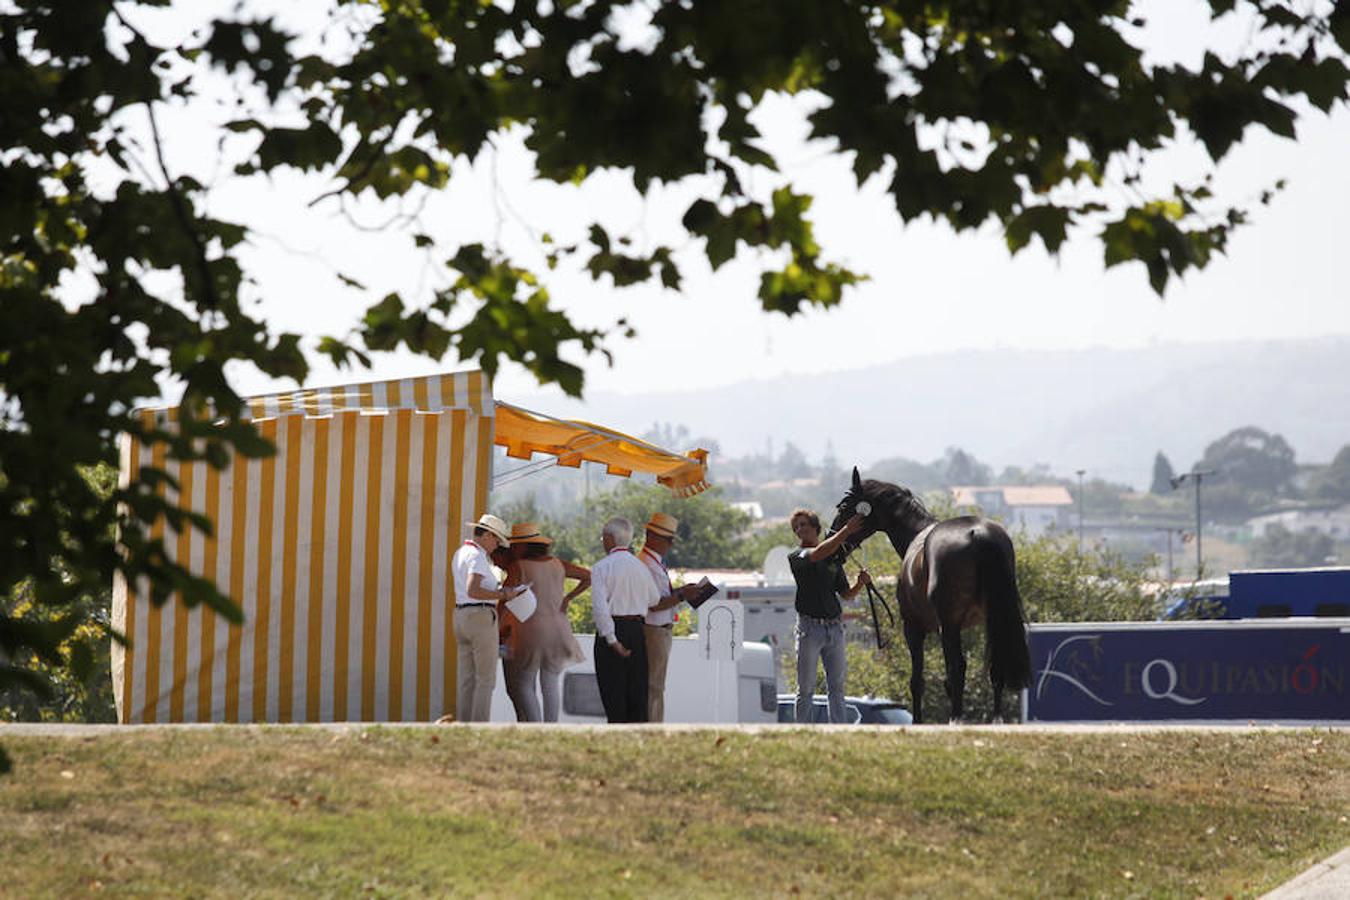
pixel 1290 592
pixel 1289 670
pixel 1267 593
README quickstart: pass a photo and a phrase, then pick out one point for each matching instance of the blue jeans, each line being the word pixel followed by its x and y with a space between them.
pixel 821 639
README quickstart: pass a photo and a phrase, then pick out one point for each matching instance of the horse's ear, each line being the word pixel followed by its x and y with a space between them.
pixel 857 479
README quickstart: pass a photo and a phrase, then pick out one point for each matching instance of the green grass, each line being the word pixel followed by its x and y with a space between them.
pixel 508 812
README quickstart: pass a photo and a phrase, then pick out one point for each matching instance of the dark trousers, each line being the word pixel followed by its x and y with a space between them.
pixel 623 680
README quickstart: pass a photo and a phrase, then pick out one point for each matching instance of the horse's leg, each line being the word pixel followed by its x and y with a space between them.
pixel 956 668
pixel 997 715
pixel 914 635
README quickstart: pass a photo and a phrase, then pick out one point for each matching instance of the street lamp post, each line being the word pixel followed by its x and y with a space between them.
pixel 1198 476
pixel 1081 472
pixel 1168 533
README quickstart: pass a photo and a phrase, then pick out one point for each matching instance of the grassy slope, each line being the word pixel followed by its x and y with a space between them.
pixel 511 811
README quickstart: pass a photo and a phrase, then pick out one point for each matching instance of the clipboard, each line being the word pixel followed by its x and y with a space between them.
pixel 705 590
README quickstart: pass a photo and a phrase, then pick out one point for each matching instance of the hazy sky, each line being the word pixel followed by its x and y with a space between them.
pixel 930 290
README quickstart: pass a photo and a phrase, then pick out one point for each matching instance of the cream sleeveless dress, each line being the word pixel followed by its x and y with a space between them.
pixel 545 639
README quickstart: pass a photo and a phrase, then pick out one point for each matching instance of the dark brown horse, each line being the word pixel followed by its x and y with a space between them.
pixel 955 573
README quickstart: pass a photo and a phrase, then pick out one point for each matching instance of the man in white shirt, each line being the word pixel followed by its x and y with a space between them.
pixel 658 629
pixel 477 593
pixel 622 592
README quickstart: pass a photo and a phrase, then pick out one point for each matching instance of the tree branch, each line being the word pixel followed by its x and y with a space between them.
pixel 176 199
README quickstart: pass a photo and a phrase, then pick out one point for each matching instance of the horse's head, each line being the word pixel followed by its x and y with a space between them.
pixel 884 507
pixel 858 501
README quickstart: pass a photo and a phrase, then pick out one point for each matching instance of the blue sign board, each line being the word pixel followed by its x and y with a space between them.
pixel 1222 670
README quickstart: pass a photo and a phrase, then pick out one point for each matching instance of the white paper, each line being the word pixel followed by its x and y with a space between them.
pixel 523 605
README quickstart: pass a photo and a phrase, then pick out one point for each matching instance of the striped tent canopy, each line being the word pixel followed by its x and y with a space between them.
pixel 337 550
pixel 570 443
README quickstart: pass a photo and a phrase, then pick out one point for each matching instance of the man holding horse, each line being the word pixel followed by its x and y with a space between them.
pixel 955 573
pixel 818 570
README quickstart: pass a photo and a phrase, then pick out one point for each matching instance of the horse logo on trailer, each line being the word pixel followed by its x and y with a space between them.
pixel 1068 662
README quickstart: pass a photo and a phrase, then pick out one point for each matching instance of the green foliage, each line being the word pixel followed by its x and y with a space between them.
pixel 579 614
pixel 1332 483
pixel 72 682
pixel 1260 462
pixel 708 536
pixel 1038 473
pixel 54 657
pixel 956 467
pixel 1279 546
pixel 1026 123
pixel 1251 469
pixel 755 545
pixel 868 674
pixel 1228 502
pixel 1058 584
pixel 961 468
pixel 1170 510
pixel 1162 475
pixel 1101 498
pixel 914 475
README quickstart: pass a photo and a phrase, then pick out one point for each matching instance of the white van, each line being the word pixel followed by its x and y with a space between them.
pixel 697 689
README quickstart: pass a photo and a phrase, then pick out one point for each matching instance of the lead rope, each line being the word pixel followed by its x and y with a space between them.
pixel 873 598
pixel 873 595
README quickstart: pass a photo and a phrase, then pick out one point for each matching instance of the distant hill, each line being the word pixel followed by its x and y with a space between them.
pixel 1106 411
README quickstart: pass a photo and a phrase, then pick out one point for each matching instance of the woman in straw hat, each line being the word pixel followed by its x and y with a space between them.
pixel 543 645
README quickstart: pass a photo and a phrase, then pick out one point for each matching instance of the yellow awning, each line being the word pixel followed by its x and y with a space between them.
pixel 524 433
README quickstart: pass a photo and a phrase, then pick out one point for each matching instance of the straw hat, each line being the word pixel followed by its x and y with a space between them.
pixel 663 525
pixel 528 533
pixel 491 524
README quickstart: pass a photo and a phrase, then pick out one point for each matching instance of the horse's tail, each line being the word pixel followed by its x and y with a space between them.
pixel 1007 656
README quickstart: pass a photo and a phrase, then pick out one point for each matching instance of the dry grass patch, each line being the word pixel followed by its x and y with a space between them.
pixel 420 811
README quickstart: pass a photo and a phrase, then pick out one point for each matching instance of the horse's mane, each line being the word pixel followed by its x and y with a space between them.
pixel 902 502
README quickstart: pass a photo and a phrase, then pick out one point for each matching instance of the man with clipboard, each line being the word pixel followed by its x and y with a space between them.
pixel 660 623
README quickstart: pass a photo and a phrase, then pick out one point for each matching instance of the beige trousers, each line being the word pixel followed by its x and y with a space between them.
pixel 476 663
pixel 658 655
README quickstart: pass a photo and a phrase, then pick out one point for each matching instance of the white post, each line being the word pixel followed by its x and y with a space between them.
pixel 722 627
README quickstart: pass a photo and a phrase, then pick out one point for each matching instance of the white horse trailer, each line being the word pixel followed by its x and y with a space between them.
pixel 694 685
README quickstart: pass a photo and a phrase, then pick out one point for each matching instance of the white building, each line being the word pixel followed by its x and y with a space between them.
pixel 1334 523
pixel 1033 508
pixel 751 508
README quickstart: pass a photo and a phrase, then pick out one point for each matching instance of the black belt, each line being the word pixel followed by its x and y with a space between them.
pixel 467 605
pixel 667 625
pixel 629 618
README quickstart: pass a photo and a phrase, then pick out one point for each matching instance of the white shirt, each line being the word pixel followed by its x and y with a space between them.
pixel 661 578
pixel 471 560
pixel 620 586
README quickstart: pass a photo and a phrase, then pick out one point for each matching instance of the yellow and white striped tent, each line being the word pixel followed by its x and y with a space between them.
pixel 337 550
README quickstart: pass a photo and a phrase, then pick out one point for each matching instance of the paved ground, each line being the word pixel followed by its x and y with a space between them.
pixel 1328 880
